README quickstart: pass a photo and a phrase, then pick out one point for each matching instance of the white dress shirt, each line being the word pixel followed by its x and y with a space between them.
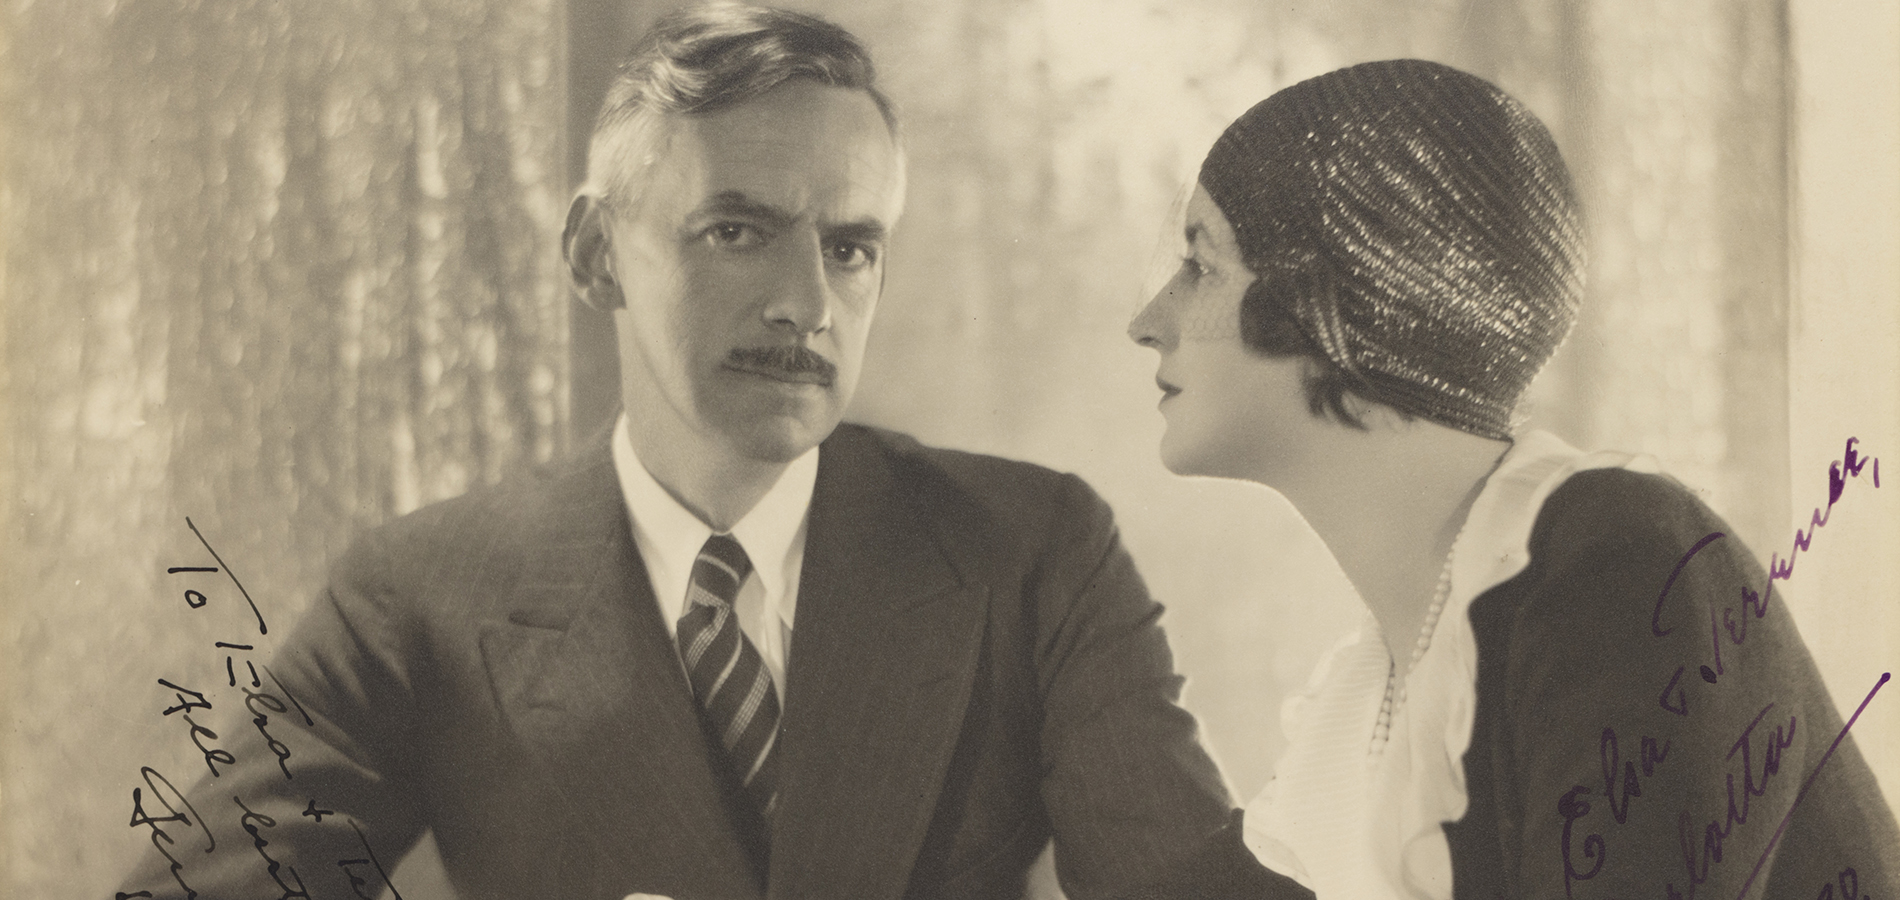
pixel 669 536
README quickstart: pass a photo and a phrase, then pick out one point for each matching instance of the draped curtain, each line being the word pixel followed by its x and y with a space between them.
pixel 279 266
pixel 289 268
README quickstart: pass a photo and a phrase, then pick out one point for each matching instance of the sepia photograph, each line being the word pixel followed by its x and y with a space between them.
pixel 863 449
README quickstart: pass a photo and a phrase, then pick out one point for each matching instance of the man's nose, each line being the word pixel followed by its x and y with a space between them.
pixel 803 298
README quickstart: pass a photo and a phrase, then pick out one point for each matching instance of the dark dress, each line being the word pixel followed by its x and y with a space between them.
pixel 1645 729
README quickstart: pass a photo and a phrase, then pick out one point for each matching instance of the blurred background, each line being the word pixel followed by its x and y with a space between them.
pixel 290 268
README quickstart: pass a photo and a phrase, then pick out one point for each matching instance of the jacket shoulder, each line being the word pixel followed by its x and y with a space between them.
pixel 985 510
pixel 1009 489
pixel 1620 506
pixel 493 528
pixel 1601 550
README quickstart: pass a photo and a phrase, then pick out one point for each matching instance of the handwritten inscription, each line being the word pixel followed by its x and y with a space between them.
pixel 253 823
pixel 269 703
pixel 161 838
pixel 1697 860
pixel 1732 625
pixel 214 756
pixel 1849 881
pixel 1619 794
pixel 1755 758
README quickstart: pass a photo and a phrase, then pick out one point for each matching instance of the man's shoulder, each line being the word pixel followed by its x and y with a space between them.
pixel 963 493
pixel 494 524
pixel 978 471
pixel 989 481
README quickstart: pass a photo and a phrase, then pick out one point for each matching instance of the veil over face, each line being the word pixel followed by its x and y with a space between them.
pixel 1231 411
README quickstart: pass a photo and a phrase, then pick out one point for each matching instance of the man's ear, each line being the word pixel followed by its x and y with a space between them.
pixel 589 254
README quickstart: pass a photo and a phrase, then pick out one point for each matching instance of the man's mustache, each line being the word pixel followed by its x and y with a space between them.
pixel 792 360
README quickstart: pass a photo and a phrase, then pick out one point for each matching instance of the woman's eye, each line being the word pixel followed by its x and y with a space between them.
pixel 1192 268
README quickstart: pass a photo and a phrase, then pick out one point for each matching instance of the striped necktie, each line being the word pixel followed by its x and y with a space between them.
pixel 727 674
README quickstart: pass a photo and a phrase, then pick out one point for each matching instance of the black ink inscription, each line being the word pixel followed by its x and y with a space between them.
pixel 357 884
pixel 289 696
pixel 252 821
pixel 197 700
pixel 230 672
pixel 260 706
pixel 143 819
pixel 261 627
pixel 214 756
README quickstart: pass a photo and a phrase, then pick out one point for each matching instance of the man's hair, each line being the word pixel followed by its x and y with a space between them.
pixel 1414 232
pixel 706 58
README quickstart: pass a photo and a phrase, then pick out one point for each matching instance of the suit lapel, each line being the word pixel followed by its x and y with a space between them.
pixel 883 656
pixel 586 674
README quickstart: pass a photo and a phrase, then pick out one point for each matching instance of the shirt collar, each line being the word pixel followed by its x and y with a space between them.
pixel 669 535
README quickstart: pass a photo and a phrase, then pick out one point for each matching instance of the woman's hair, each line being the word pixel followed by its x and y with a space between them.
pixel 1413 231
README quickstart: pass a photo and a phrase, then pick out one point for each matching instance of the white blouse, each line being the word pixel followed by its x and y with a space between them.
pixel 1349 820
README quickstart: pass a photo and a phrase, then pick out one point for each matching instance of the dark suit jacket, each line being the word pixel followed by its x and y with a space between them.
pixel 976 666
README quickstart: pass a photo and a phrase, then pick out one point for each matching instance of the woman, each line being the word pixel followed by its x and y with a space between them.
pixel 1379 261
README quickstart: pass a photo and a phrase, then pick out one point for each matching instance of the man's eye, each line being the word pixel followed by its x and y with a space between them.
pixel 851 255
pixel 734 234
pixel 1192 268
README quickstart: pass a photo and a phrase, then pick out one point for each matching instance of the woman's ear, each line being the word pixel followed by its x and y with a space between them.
pixel 588 249
pixel 1375 416
pixel 1352 410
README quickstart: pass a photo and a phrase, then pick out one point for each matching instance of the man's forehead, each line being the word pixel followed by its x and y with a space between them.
pixel 799 151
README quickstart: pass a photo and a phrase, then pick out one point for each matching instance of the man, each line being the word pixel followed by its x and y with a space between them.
pixel 737 649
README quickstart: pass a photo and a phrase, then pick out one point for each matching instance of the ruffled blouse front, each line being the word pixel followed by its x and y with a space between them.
pixel 1349 820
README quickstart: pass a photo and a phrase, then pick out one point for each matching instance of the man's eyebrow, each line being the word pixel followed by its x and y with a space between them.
pixel 736 203
pixel 1195 231
pixel 863 231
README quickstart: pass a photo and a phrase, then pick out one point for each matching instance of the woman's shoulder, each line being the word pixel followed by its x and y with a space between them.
pixel 1623 536
pixel 1621 563
pixel 1604 508
pixel 1636 672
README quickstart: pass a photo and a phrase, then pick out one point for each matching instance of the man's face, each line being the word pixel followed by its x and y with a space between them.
pixel 750 265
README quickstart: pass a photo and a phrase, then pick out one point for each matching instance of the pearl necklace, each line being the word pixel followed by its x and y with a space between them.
pixel 1395 685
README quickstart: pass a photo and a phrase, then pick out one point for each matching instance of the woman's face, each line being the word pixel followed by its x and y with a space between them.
pixel 1231 411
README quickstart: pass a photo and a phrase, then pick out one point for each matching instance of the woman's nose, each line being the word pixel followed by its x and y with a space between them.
pixel 1152 327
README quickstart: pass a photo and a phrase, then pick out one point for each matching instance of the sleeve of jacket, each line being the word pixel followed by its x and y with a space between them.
pixel 337 705
pixel 1137 806
pixel 1665 734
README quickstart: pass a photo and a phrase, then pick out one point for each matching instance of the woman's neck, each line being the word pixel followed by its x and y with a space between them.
pixel 1392 517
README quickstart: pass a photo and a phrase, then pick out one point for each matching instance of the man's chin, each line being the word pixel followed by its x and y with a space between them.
pixel 782 439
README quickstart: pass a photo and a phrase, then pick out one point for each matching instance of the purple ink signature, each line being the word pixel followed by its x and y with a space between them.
pixel 1623 779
